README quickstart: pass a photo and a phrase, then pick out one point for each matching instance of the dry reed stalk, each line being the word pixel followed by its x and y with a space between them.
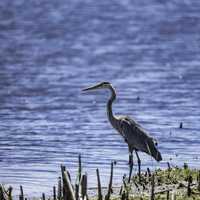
pixel 64 195
pixel 99 185
pixel 169 170
pixel 121 190
pixel 21 196
pixel 152 195
pixel 84 186
pixel 173 195
pixel 198 181
pixel 1 193
pixel 148 174
pixel 167 197
pixel 123 196
pixel 43 196
pixel 10 193
pixel 149 171
pixel 79 168
pixel 77 192
pixel 59 195
pixel 54 193
pixel 168 166
pixel 189 190
pixel 68 192
pixel 107 197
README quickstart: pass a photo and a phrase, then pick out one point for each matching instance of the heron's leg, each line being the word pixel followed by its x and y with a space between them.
pixel 139 165
pixel 130 165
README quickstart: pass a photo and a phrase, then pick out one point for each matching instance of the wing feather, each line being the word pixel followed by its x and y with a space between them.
pixel 134 134
pixel 137 138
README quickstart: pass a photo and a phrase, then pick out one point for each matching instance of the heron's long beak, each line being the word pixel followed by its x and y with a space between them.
pixel 98 86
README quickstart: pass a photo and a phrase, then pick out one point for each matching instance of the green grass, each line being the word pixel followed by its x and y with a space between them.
pixel 176 180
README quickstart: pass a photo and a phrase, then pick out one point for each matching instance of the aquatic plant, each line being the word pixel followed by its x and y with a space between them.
pixel 171 183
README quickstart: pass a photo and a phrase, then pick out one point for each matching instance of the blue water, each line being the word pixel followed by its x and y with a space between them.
pixel 50 50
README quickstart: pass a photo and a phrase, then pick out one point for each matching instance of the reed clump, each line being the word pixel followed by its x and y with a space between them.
pixel 173 183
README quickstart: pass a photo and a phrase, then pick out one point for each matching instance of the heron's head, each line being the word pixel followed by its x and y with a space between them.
pixel 98 86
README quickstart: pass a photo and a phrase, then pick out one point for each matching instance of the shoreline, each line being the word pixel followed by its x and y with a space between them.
pixel 171 183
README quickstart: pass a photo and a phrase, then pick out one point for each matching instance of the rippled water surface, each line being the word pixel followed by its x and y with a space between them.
pixel 50 50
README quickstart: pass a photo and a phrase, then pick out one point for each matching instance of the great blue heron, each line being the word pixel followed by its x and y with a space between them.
pixel 134 135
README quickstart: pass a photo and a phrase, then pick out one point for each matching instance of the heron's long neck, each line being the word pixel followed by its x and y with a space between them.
pixel 111 117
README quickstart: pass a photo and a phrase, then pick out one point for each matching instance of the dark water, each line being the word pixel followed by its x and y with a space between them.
pixel 50 50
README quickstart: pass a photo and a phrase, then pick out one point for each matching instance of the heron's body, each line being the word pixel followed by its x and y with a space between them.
pixel 134 135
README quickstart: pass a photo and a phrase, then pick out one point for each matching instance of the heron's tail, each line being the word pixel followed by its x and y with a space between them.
pixel 152 150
